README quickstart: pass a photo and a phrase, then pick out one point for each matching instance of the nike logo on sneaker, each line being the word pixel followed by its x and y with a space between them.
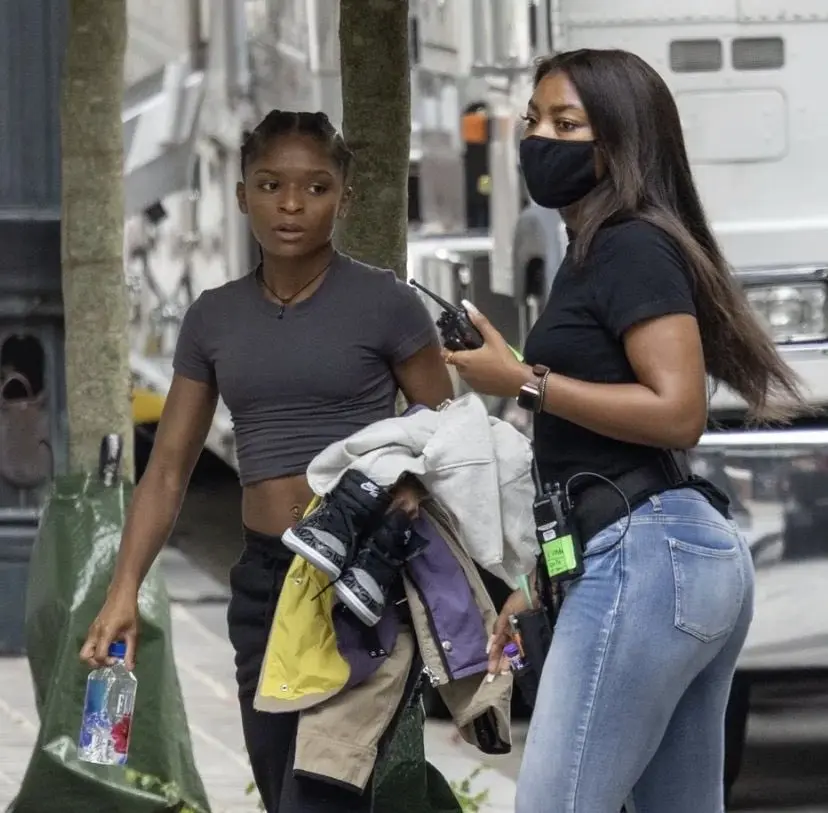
pixel 372 488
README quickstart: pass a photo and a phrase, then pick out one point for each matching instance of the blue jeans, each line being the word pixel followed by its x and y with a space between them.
pixel 633 694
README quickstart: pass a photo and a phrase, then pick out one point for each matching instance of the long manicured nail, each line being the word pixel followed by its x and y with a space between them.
pixel 490 678
pixel 469 306
pixel 490 644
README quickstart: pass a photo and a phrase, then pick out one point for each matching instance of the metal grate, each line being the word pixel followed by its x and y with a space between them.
pixel 696 56
pixel 758 54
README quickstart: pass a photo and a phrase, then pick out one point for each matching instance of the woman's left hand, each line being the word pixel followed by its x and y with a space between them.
pixel 493 369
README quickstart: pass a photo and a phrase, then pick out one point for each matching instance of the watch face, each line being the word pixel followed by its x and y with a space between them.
pixel 528 397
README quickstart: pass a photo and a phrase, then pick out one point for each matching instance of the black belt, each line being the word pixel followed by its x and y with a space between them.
pixel 599 504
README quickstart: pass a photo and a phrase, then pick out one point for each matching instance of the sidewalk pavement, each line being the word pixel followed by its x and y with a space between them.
pixel 205 667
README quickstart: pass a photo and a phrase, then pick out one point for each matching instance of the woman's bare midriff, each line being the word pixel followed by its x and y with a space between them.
pixel 272 506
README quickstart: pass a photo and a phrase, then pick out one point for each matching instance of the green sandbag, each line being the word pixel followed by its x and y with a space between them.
pixel 405 782
pixel 71 566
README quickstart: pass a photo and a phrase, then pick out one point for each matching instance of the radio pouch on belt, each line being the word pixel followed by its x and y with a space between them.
pixel 533 631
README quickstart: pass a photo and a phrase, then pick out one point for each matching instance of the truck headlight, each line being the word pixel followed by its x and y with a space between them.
pixel 794 312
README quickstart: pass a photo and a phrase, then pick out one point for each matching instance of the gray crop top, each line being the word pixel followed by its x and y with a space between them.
pixel 296 384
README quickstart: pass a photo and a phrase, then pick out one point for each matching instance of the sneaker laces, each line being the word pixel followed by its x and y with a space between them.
pixel 340 514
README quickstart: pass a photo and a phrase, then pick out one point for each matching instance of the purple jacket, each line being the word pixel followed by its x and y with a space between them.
pixel 454 616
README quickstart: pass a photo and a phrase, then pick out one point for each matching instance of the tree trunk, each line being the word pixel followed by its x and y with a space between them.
pixel 376 103
pixel 94 293
pixel 376 100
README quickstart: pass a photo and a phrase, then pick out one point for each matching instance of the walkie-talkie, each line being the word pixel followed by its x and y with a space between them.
pixel 560 547
pixel 455 327
pixel 561 552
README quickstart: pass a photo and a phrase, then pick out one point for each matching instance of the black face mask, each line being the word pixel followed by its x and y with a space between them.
pixel 558 173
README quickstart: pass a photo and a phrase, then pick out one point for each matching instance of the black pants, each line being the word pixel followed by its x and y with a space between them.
pixel 256 581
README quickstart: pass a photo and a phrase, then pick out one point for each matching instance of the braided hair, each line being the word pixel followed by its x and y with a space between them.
pixel 279 123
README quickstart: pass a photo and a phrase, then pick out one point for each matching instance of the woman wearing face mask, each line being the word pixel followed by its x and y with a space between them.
pixel 633 693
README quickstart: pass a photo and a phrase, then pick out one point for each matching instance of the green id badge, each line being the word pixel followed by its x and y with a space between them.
pixel 560 557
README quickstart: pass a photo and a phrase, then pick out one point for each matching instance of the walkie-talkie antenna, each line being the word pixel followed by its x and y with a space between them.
pixel 536 476
pixel 438 299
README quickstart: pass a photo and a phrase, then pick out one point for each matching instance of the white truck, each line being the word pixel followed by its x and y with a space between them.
pixel 747 77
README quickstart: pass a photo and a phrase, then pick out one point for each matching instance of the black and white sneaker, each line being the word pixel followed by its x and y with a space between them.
pixel 326 537
pixel 364 586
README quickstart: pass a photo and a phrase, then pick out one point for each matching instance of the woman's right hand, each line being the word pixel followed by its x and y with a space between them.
pixel 117 621
pixel 492 369
pixel 502 632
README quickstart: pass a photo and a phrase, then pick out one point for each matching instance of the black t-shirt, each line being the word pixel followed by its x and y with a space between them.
pixel 633 271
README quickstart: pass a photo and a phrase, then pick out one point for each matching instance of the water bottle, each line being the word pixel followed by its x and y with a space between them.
pixel 107 711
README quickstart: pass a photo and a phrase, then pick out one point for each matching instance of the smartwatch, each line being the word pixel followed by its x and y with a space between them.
pixel 531 393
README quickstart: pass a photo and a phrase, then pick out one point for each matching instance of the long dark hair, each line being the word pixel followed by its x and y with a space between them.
pixel 638 132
